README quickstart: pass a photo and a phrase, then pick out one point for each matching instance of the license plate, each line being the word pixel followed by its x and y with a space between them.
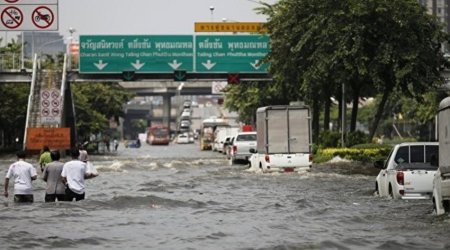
pixel 288 169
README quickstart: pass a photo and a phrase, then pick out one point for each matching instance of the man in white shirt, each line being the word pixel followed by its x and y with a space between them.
pixel 74 173
pixel 23 173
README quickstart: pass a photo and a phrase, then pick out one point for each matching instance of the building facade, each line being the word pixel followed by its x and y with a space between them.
pixel 439 8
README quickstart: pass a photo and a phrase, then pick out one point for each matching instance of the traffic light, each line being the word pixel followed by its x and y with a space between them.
pixel 234 78
pixel 128 75
pixel 179 75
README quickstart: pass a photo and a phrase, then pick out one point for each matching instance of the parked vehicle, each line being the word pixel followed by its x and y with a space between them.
pixel 284 139
pixel 408 171
pixel 183 138
pixel 220 135
pixel 158 135
pixel 207 131
pixel 185 124
pixel 185 115
pixel 243 142
pixel 441 182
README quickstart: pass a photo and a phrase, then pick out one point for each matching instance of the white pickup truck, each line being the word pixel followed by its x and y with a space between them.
pixel 284 139
pixel 409 171
pixel 242 144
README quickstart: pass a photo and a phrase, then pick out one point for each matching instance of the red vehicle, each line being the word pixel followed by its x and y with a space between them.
pixel 158 135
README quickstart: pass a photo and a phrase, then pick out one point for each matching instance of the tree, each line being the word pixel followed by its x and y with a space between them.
pixel 95 103
pixel 13 109
pixel 378 46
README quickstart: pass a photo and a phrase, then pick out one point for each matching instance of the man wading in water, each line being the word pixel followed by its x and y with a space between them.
pixel 52 175
pixel 74 173
pixel 23 173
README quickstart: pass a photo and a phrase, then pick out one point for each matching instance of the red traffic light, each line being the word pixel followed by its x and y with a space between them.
pixel 234 78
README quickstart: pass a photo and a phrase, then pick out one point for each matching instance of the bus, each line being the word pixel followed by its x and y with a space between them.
pixel 158 135
pixel 207 131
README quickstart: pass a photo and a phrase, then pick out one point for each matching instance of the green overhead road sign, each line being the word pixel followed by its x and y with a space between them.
pixel 139 53
pixel 169 53
pixel 231 53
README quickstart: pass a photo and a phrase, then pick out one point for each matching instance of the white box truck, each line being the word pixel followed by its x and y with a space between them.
pixel 441 182
pixel 283 139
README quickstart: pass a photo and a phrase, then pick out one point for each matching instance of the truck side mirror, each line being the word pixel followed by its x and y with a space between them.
pixel 253 151
pixel 379 164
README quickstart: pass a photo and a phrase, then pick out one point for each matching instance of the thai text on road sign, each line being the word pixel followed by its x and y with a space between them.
pixel 247 27
pixel 169 53
pixel 55 138
pixel 140 53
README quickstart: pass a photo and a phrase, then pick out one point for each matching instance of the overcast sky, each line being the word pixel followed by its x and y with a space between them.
pixel 150 16
pixel 92 17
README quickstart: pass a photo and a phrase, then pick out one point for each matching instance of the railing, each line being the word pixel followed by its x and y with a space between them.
pixel 9 60
pixel 30 100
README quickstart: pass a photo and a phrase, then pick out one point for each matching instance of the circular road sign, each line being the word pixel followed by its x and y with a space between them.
pixel 45 112
pixel 55 111
pixel 11 1
pixel 12 17
pixel 42 17
pixel 55 103
pixel 46 103
pixel 45 94
pixel 55 94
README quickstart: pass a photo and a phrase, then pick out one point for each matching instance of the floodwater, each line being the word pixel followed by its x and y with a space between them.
pixel 178 197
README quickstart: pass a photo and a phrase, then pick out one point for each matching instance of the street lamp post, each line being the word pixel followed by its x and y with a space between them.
pixel 211 8
pixel 71 31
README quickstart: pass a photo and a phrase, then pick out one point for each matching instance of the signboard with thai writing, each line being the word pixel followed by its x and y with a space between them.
pixel 55 138
pixel 231 53
pixel 247 27
pixel 140 53
pixel 170 53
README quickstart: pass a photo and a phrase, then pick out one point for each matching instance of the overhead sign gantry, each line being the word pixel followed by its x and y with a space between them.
pixel 168 53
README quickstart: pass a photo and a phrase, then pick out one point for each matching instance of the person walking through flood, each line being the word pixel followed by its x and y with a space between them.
pixel 23 173
pixel 45 157
pixel 56 190
pixel 74 173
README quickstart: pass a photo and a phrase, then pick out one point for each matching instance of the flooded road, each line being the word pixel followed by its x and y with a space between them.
pixel 178 197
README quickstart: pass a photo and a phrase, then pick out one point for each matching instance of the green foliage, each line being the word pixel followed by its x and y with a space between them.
pixel 354 138
pixel 138 125
pixel 373 46
pixel 13 110
pixel 95 103
pixel 329 138
pixel 368 154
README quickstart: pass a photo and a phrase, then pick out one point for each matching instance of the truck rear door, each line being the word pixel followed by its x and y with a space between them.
pixel 299 131
pixel 418 177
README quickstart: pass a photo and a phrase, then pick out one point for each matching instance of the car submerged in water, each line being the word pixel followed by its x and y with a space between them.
pixel 408 171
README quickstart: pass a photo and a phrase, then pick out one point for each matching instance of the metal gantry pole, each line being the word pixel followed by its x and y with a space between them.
pixel 343 116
